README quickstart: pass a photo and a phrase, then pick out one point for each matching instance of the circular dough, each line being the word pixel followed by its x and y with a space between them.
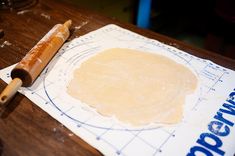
pixel 136 87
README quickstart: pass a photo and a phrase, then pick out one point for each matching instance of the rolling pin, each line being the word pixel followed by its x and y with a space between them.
pixel 28 69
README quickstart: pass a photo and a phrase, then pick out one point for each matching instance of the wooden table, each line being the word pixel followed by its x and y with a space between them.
pixel 28 130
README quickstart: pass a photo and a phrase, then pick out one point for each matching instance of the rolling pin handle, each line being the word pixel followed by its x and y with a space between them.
pixel 10 91
pixel 68 24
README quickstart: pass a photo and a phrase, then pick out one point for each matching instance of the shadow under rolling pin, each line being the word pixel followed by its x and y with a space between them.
pixel 28 69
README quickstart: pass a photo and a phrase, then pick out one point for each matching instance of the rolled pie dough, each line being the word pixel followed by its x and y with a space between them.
pixel 136 87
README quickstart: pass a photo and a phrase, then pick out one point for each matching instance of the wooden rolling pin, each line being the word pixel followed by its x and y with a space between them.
pixel 28 69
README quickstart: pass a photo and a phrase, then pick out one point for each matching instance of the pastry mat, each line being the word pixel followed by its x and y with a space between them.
pixel 110 136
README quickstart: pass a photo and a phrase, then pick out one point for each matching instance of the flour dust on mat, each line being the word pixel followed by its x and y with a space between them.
pixel 136 87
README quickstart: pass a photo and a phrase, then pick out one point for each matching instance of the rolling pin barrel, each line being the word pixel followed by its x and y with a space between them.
pixel 28 69
pixel 38 57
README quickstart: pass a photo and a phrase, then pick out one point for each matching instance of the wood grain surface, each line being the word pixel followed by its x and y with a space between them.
pixel 25 129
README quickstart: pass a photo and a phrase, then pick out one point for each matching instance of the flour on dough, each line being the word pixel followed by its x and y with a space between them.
pixel 136 87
